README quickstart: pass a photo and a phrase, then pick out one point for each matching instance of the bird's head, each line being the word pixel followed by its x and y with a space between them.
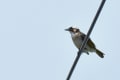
pixel 73 31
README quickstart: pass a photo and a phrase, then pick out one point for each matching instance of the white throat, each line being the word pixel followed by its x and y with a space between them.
pixel 73 35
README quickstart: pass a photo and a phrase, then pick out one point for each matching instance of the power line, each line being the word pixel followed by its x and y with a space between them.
pixel 86 39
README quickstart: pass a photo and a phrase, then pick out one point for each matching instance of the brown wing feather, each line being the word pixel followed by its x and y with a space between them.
pixel 90 43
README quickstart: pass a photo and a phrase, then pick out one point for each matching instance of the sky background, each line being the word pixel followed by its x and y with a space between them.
pixel 34 45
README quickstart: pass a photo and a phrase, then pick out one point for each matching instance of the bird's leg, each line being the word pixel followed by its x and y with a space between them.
pixel 87 53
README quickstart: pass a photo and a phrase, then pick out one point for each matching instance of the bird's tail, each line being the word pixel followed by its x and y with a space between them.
pixel 99 53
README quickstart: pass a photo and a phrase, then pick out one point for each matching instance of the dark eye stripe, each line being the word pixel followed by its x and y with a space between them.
pixel 71 29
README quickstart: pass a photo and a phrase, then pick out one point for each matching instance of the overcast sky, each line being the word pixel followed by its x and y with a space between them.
pixel 34 45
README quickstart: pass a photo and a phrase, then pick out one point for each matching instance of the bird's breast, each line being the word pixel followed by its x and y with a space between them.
pixel 77 41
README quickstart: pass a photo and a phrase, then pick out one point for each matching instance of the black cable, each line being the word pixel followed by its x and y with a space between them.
pixel 86 39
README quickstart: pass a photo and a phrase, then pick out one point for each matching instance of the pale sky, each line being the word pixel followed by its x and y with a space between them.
pixel 35 46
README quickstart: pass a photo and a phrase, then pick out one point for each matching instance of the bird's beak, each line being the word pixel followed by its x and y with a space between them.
pixel 66 29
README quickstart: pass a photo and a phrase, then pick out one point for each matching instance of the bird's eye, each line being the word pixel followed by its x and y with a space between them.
pixel 70 28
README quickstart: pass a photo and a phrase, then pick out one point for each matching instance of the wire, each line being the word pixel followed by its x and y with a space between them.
pixel 86 39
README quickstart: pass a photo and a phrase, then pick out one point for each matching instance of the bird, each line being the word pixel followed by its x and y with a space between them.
pixel 78 38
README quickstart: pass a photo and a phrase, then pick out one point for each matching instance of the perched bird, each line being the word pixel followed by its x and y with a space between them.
pixel 78 37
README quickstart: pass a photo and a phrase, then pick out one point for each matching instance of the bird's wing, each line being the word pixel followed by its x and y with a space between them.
pixel 90 43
